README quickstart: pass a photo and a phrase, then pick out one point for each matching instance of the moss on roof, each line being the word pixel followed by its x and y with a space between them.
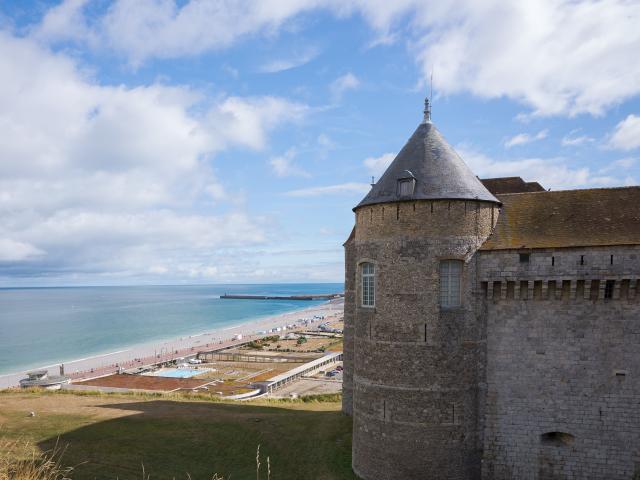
pixel 567 218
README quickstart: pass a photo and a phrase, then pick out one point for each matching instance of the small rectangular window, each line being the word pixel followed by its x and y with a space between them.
pixel 524 258
pixel 368 285
pixel 581 259
pixel 608 289
pixel 450 283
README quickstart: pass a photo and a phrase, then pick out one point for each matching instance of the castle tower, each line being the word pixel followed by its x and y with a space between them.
pixel 414 347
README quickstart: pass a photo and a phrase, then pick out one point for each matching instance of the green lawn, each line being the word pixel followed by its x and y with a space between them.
pixel 112 436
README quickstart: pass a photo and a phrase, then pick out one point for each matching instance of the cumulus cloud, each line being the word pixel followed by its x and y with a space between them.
pixel 284 166
pixel 378 165
pixel 109 179
pixel 626 135
pixel 554 173
pixel 541 54
pixel 65 21
pixel 524 138
pixel 350 188
pixel 340 85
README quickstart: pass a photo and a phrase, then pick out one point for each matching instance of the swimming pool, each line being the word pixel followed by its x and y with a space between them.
pixel 181 372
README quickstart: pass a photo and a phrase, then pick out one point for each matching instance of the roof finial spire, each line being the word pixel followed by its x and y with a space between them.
pixel 427 101
pixel 427 111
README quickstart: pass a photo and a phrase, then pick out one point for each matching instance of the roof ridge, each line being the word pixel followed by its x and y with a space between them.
pixel 572 190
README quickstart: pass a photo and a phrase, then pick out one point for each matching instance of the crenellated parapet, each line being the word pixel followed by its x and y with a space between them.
pixel 569 274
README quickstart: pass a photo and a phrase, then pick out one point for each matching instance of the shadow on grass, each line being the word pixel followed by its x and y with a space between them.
pixel 173 438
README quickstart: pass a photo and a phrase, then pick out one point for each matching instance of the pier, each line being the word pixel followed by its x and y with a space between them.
pixel 329 296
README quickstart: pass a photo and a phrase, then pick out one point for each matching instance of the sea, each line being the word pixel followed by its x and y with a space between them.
pixel 45 326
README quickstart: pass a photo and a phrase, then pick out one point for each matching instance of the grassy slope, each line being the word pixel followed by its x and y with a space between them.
pixel 116 434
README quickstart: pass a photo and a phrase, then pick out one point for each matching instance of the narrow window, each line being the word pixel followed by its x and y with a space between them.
pixel 497 290
pixel 595 289
pixel 553 261
pixel 581 259
pixel 537 289
pixel 624 288
pixel 524 290
pixel 580 289
pixel 608 289
pixel 450 280
pixel 511 289
pixel 368 285
pixel 611 260
pixel 524 258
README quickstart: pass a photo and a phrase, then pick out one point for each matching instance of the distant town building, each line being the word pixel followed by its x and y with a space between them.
pixel 492 328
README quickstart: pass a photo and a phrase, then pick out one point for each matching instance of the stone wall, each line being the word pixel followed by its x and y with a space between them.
pixel 417 370
pixel 349 312
pixel 563 363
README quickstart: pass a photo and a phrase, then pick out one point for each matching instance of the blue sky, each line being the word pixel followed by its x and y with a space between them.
pixel 158 141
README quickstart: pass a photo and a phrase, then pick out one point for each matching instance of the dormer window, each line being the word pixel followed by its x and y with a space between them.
pixel 406 186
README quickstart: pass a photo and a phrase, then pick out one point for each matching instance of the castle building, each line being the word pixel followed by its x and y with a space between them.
pixel 492 328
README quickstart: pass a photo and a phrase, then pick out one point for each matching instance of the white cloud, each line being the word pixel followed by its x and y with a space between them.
pixel 350 188
pixel 65 21
pixel 160 28
pixel 554 173
pixel 620 164
pixel 325 141
pixel 626 135
pixel 283 165
pixel 523 138
pixel 378 165
pixel 541 54
pixel 573 139
pixel 294 61
pixel 626 162
pixel 340 85
pixel 13 251
pixel 105 180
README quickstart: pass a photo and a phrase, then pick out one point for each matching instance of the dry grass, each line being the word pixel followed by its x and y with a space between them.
pixel 108 436
pixel 48 465
pixel 36 466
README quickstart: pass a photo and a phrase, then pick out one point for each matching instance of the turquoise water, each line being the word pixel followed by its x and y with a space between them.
pixel 44 326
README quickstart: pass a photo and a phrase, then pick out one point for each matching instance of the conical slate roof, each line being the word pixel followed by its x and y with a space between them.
pixel 438 170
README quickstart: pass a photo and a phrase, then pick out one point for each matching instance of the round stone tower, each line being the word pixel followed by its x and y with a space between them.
pixel 416 362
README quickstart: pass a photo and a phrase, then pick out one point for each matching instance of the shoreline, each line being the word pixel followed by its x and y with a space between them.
pixel 176 347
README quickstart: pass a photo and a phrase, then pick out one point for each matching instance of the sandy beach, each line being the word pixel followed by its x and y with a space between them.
pixel 148 353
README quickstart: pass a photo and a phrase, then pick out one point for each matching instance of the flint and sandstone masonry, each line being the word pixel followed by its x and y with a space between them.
pixel 536 375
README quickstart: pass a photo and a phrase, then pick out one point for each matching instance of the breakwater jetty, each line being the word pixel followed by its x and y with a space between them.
pixel 329 296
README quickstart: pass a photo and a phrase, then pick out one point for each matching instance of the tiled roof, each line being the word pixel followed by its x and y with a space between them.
pixel 567 218
pixel 498 186
pixel 438 171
